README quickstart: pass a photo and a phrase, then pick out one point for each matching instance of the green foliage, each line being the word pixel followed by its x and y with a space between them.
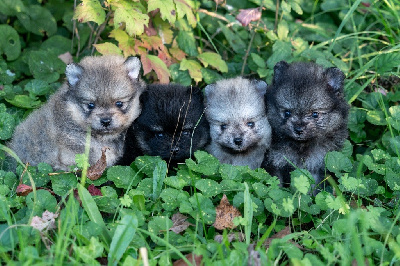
pixel 189 42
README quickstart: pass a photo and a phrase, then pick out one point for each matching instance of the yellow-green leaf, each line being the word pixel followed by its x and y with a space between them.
pixel 133 15
pixel 194 68
pixel 213 59
pixel 107 48
pixel 167 9
pixel 125 42
pixel 185 7
pixel 90 10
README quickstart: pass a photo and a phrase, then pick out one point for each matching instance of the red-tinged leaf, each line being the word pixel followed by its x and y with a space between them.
pixel 177 53
pixel 248 15
pixel 183 8
pixel 194 68
pixel 150 30
pixel 108 48
pixel 94 191
pixel 23 190
pixel 95 171
pixel 125 42
pixel 90 10
pixel 133 15
pixel 151 62
pixel 192 258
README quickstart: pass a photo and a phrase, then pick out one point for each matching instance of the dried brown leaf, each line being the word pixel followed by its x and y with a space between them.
pixel 23 190
pixel 180 223
pixel 284 232
pixel 225 213
pixel 238 236
pixel 248 15
pixel 192 258
pixel 95 171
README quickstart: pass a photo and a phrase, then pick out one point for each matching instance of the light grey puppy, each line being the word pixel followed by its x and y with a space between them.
pixel 239 129
pixel 102 93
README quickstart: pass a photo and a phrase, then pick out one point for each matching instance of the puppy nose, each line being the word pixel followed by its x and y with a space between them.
pixel 298 130
pixel 238 141
pixel 174 150
pixel 105 122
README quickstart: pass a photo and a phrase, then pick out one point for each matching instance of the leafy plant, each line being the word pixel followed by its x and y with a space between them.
pixel 130 209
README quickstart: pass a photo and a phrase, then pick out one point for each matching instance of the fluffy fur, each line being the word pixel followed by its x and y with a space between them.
pixel 171 124
pixel 102 93
pixel 239 129
pixel 308 116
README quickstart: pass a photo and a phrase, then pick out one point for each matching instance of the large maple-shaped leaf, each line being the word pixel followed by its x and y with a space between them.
pixel 185 7
pixel 167 9
pixel 107 48
pixel 90 10
pixel 133 15
pixel 213 59
pixel 125 42
pixel 194 68
pixel 152 62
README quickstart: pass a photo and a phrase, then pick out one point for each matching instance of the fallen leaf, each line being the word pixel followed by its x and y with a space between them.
pixel 94 191
pixel 248 15
pixel 23 190
pixel 238 236
pixel 66 58
pixel 225 213
pixel 284 232
pixel 45 223
pixel 95 171
pixel 192 258
pixel 180 223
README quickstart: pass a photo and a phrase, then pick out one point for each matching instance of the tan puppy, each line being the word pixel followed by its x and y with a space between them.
pixel 102 93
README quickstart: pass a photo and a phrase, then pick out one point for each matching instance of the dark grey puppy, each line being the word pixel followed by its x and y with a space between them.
pixel 308 115
pixel 171 124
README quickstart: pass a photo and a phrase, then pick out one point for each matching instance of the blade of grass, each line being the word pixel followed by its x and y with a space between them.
pixel 122 237
pixel 92 211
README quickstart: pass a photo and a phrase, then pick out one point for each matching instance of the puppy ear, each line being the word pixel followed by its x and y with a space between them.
pixel 261 86
pixel 209 89
pixel 133 65
pixel 279 69
pixel 335 79
pixel 74 73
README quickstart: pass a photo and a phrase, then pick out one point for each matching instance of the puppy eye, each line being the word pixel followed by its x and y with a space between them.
pixel 224 126
pixel 287 113
pixel 186 132
pixel 119 104
pixel 91 106
pixel 315 114
pixel 250 124
pixel 159 134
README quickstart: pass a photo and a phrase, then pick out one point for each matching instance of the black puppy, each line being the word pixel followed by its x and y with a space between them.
pixel 171 124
